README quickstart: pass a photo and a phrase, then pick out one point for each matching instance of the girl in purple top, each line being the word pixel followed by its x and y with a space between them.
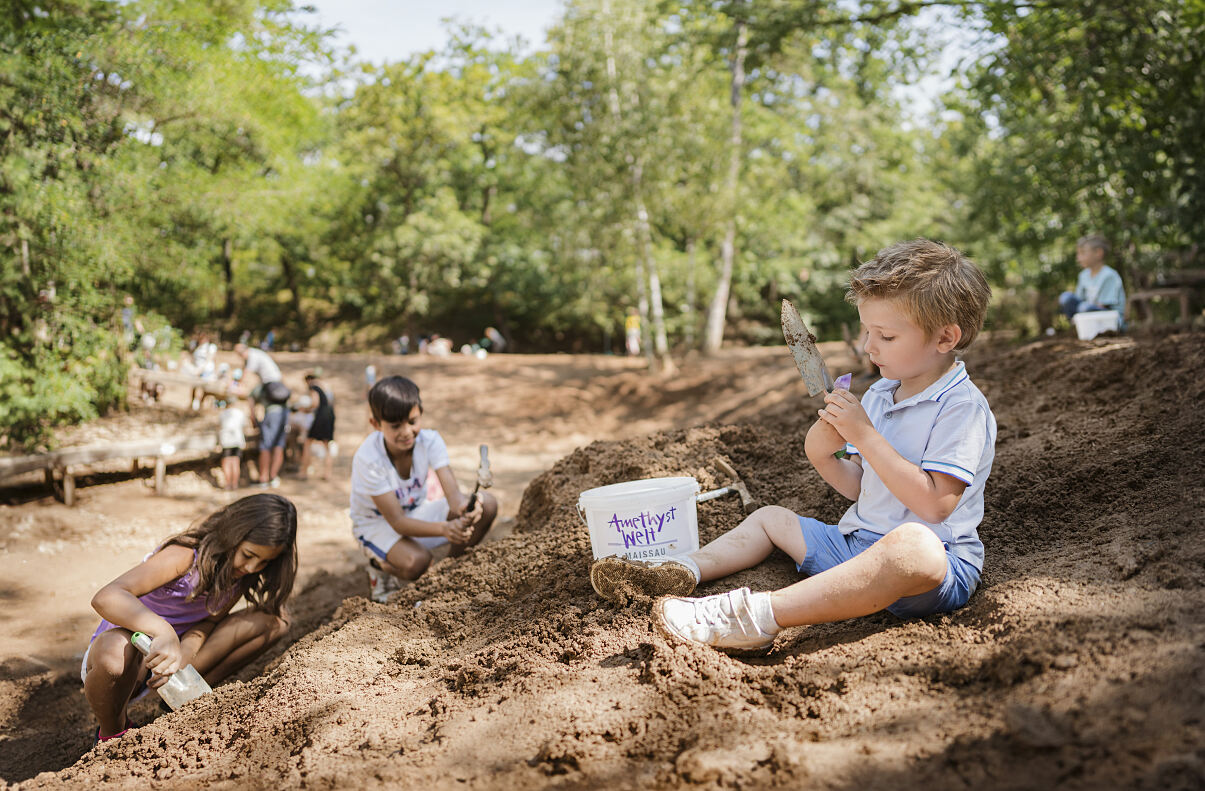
pixel 181 596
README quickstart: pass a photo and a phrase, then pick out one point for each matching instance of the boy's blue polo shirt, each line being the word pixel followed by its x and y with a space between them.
pixel 949 428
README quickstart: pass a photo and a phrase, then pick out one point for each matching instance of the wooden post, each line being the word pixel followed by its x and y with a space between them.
pixel 134 466
pixel 68 487
pixel 160 473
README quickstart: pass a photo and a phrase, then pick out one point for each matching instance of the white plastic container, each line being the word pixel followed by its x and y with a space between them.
pixel 185 684
pixel 1092 323
pixel 648 519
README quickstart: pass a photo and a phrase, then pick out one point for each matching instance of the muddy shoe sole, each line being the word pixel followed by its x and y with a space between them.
pixel 663 628
pixel 617 578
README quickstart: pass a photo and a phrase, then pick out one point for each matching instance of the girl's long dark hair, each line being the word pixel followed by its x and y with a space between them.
pixel 266 519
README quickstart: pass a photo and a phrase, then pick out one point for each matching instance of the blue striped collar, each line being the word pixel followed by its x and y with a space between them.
pixel 934 392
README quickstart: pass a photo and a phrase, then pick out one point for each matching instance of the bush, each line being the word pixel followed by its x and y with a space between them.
pixel 72 378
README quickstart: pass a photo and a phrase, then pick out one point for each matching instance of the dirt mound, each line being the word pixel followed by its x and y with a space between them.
pixel 1077 663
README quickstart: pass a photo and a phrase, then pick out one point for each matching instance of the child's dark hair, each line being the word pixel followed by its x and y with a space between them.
pixel 266 519
pixel 393 398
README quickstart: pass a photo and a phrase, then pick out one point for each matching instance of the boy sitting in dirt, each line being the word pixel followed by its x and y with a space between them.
pixel 917 452
pixel 392 519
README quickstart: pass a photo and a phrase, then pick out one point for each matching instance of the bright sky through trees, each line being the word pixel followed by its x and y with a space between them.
pixel 388 30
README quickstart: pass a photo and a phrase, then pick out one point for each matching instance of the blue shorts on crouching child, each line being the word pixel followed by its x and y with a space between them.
pixel 828 547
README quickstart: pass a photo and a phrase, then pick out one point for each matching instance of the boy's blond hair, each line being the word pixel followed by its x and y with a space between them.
pixel 934 283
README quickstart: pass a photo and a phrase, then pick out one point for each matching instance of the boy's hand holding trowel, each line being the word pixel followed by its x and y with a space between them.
pixel 842 412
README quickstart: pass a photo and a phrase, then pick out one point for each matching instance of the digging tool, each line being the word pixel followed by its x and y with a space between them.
pixel 808 360
pixel 485 479
pixel 734 486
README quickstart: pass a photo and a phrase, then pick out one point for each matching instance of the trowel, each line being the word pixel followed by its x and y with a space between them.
pixel 808 360
pixel 485 479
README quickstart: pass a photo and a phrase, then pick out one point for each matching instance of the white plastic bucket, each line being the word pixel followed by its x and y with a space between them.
pixel 1092 323
pixel 644 520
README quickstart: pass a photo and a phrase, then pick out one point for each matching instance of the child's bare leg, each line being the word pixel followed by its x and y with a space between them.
pixel 304 472
pixel 327 461
pixel 265 465
pixel 407 559
pixel 908 561
pixel 751 542
pixel 489 511
pixel 237 640
pixel 278 461
pixel 114 667
pixel 746 545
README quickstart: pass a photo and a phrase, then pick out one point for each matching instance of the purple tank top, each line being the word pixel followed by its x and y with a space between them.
pixel 170 602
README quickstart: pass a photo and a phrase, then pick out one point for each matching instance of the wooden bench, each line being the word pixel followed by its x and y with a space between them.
pixel 67 463
pixel 208 387
pixel 1177 285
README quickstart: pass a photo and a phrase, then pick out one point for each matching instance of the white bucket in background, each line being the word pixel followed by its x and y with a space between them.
pixel 647 519
pixel 1093 322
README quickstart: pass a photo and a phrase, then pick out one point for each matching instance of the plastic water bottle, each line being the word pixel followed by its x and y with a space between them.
pixel 184 685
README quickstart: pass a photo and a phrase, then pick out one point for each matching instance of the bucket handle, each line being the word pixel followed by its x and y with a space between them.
pixel 581 514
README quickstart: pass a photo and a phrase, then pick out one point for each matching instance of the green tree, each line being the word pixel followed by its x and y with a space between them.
pixel 1085 116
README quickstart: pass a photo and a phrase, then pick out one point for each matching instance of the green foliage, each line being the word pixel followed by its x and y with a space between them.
pixel 184 153
pixel 134 138
pixel 1086 117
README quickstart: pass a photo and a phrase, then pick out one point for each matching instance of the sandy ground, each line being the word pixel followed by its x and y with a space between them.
pixel 1080 662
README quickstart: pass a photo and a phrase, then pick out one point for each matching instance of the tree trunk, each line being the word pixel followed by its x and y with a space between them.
pixel 642 307
pixel 491 190
pixel 644 263
pixel 713 334
pixel 645 251
pixel 689 330
pixel 228 275
pixel 290 273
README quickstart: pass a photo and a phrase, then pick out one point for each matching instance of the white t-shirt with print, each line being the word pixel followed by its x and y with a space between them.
pixel 232 421
pixel 373 474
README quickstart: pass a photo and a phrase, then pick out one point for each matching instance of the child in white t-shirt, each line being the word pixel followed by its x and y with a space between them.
pixel 392 519
pixel 232 423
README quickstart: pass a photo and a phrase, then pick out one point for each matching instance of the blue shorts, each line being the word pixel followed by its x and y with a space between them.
pixel 827 547
pixel 272 428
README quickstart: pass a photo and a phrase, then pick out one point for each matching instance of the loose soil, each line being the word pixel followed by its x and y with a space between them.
pixel 1079 663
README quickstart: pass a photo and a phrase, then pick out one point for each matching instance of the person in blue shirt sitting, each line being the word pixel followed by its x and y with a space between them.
pixel 1098 286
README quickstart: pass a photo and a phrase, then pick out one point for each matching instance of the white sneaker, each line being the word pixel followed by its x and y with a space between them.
pixel 723 621
pixel 381 584
pixel 617 578
pixel 274 483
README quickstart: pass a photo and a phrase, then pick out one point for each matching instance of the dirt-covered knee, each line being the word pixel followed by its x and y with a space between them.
pixel 489 506
pixel 916 551
pixel 413 565
pixel 109 656
pixel 778 522
pixel 276 627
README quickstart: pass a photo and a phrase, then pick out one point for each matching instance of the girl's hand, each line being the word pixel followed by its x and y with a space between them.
pixel 822 440
pixel 845 414
pixel 457 531
pixel 164 659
